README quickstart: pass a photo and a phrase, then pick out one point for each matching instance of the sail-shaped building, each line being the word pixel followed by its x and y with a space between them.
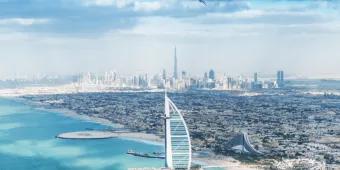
pixel 177 139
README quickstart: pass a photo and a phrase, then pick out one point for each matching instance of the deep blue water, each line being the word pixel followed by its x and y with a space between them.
pixel 27 142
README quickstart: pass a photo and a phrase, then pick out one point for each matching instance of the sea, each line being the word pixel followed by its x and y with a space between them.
pixel 28 142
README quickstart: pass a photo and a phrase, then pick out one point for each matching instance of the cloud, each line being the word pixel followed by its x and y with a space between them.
pixel 98 16
pixel 130 5
pixel 168 7
pixel 23 21
pixel 243 23
pixel 246 14
pixel 99 2
pixel 122 32
pixel 118 3
pixel 147 6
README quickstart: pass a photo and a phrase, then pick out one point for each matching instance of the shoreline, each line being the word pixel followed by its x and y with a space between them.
pixel 211 161
pixel 130 135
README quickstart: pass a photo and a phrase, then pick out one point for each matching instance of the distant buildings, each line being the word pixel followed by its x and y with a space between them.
pixel 229 83
pixel 184 74
pixel 255 85
pixel 268 84
pixel 280 79
pixel 164 74
pixel 205 76
pixel 255 77
pixel 212 74
pixel 112 80
pixel 210 80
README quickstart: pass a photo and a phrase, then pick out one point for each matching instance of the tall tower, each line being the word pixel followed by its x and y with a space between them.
pixel 212 74
pixel 175 66
pixel 255 77
pixel 164 74
pixel 280 79
pixel 177 138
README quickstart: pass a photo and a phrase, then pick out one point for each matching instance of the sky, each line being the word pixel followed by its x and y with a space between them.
pixel 138 36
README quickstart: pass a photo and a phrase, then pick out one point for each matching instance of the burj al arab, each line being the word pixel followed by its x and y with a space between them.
pixel 177 138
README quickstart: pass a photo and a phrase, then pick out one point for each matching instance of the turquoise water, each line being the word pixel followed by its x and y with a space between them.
pixel 27 142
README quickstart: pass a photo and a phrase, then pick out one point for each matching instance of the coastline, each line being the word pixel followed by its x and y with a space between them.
pixel 138 136
pixel 129 135
pixel 211 161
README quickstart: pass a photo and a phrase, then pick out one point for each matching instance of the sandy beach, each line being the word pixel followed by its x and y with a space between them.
pixel 128 134
pixel 143 137
pixel 225 162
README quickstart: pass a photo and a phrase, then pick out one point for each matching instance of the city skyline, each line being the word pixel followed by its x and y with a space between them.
pixel 236 37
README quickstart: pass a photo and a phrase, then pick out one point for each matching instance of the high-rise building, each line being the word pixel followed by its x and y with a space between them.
pixel 256 84
pixel 177 139
pixel 280 79
pixel 143 81
pixel 175 66
pixel 205 76
pixel 135 81
pixel 212 74
pixel 184 74
pixel 229 83
pixel 255 77
pixel 164 74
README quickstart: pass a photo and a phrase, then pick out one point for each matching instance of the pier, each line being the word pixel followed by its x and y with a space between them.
pixel 146 155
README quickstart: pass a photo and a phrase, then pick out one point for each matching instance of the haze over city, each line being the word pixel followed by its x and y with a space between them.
pixel 138 36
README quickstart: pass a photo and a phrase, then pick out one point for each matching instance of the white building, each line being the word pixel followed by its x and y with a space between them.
pixel 177 139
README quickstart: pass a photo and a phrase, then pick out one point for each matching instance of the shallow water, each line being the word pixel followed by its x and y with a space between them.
pixel 27 141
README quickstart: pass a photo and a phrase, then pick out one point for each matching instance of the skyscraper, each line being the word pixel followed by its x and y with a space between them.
pixel 280 79
pixel 175 66
pixel 205 76
pixel 164 74
pixel 229 83
pixel 255 77
pixel 184 74
pixel 255 85
pixel 212 74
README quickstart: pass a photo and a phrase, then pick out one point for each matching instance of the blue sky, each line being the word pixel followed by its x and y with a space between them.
pixel 135 36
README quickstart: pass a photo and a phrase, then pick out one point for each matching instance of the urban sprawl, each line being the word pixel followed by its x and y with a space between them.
pixel 283 119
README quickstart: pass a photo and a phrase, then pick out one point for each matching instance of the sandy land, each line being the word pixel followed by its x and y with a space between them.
pixel 64 89
pixel 329 140
pixel 220 161
pixel 111 134
pixel 87 135
pixel 15 92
